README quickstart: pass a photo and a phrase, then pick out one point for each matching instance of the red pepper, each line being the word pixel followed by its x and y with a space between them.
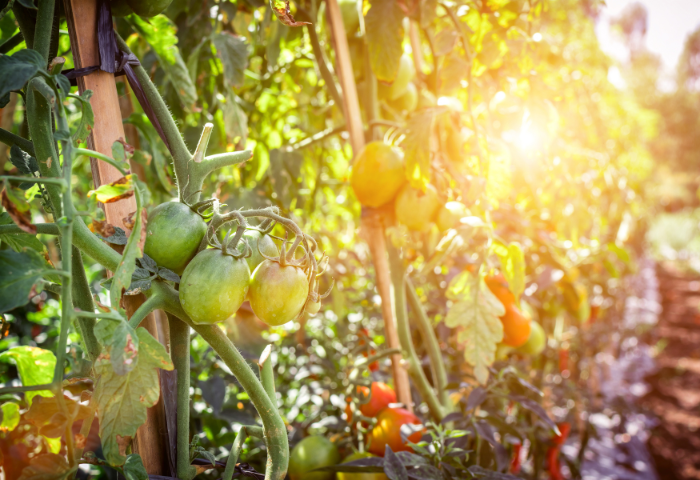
pixel 553 466
pixel 515 461
pixel 563 359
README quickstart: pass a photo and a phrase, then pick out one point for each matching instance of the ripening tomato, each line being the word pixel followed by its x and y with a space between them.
pixel 449 215
pixel 536 341
pixel 213 286
pixel 311 453
pixel 499 287
pixel 416 209
pixel 277 293
pixel 387 431
pixel 258 243
pixel 173 235
pixel 377 174
pixel 516 327
pixel 380 396
pixel 359 476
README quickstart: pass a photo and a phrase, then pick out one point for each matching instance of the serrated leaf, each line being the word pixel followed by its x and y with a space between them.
pixel 17 208
pixel 384 27
pixel 19 272
pixel 169 275
pixel 476 314
pixel 115 191
pixel 233 53
pixel 416 146
pixel 148 263
pixel 133 468
pixel 35 367
pixel 10 417
pixel 43 409
pixel 122 400
pixel 25 163
pixel 118 236
pixel 161 35
pixel 48 466
pixel 19 241
pixel 121 342
pixel 16 70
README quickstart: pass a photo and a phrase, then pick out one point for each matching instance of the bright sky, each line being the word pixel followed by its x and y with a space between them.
pixel 669 24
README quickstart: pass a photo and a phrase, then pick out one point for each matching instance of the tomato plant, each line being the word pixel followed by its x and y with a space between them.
pixel 387 431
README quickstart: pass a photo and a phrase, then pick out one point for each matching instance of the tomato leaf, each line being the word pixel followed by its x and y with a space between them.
pixel 132 251
pixel 19 272
pixel 115 191
pixel 19 241
pixel 417 148
pixel 16 70
pixel 122 343
pixel 133 468
pixel 110 233
pixel 476 314
pixel 48 466
pixel 122 400
pixel 232 50
pixel 35 367
pixel 384 26
pixel 284 14
pixel 42 414
pixel 10 416
pixel 25 164
pixel 17 208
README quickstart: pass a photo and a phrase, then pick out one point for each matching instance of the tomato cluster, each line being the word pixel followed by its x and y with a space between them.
pixel 247 266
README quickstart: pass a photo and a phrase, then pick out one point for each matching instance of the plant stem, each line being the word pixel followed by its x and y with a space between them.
pixel 44 28
pixel 424 325
pixel 82 299
pixel 266 375
pixel 235 452
pixel 11 43
pixel 95 248
pixel 180 353
pixel 10 139
pixel 43 228
pixel 397 271
pixel 152 303
pixel 28 388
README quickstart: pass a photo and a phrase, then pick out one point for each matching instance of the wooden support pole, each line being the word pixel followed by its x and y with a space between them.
pixel 81 16
pixel 372 226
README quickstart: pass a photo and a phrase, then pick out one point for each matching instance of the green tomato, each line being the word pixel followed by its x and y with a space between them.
pixel 213 286
pixel 120 8
pixel 450 214
pixel 416 209
pixel 536 341
pixel 277 294
pixel 360 476
pixel 259 243
pixel 173 235
pixel 313 452
pixel 148 8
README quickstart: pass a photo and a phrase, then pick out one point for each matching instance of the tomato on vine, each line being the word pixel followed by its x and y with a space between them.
pixel 214 286
pixel 380 396
pixel 516 327
pixel 311 453
pixel 417 209
pixel 278 292
pixel 173 234
pixel 377 174
pixel 499 287
pixel 536 341
pixel 260 245
pixel 387 431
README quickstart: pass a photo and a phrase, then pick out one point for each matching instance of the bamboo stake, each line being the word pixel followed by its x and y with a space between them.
pixel 81 16
pixel 372 225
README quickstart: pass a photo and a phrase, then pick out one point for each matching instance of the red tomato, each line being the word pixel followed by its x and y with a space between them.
pixel 381 396
pixel 499 287
pixel 387 431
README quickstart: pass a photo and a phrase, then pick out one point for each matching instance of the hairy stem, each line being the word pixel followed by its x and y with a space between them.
pixel 397 271
pixel 43 228
pixel 82 299
pixel 44 28
pixel 266 375
pixel 151 304
pixel 10 139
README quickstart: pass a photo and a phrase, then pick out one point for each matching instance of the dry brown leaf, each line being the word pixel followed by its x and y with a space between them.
pixel 22 220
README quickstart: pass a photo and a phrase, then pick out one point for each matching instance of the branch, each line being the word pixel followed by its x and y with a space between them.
pixel 44 27
pixel 266 375
pixel 45 228
pixel 82 299
pixel 11 43
pixel 10 139
pixel 154 302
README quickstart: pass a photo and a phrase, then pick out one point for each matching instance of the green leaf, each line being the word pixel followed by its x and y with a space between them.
pixel 35 367
pixel 235 121
pixel 132 251
pixel 19 272
pixel 133 468
pixel 160 33
pixel 513 265
pixel 10 417
pixel 16 70
pixel 122 400
pixel 87 119
pixel 476 314
pixel 115 191
pixel 122 342
pixel 48 466
pixel 416 146
pixel 384 26
pixel 19 241
pixel 232 50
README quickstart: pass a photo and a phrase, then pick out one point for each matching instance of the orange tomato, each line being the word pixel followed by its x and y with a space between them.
pixel 516 327
pixel 377 174
pixel 380 396
pixel 387 431
pixel 499 287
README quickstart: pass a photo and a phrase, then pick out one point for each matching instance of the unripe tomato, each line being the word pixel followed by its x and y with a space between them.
pixel 499 287
pixel 213 286
pixel 359 476
pixel 264 243
pixel 536 341
pixel 120 8
pixel 406 73
pixel 516 327
pixel 380 396
pixel 377 174
pixel 148 8
pixel 277 294
pixel 408 101
pixel 173 235
pixel 351 16
pixel 387 431
pixel 416 209
pixel 313 452
pixel 449 215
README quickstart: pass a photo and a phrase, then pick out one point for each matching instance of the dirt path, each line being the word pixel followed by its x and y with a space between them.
pixel 675 387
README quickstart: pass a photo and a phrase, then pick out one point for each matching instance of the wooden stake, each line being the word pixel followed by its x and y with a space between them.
pixel 81 16
pixel 372 227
